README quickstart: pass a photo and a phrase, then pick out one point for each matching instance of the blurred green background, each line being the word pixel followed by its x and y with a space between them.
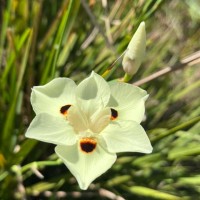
pixel 43 39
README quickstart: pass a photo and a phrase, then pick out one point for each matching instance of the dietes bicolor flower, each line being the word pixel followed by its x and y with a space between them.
pixel 89 123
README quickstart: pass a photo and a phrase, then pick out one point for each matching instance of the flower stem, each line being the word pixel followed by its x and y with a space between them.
pixel 40 164
pixel 127 78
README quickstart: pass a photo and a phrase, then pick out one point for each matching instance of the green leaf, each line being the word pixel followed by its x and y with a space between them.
pixel 151 193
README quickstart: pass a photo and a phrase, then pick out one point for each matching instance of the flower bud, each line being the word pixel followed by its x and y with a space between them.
pixel 136 51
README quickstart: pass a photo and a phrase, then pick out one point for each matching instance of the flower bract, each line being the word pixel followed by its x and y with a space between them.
pixel 89 123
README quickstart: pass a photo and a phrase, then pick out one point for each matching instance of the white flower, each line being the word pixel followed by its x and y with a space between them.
pixel 135 51
pixel 89 123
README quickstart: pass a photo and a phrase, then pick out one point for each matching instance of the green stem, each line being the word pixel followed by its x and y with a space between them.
pixel 40 164
pixel 127 78
pixel 177 128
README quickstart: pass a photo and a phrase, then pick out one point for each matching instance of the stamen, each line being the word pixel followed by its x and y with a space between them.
pixel 64 109
pixel 114 114
pixel 88 145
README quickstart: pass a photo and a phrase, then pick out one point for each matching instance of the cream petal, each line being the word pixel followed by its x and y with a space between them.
pixel 100 119
pixel 48 128
pixel 93 115
pixel 88 107
pixel 85 166
pixel 78 119
pixel 51 97
pixel 128 100
pixel 94 87
pixel 126 136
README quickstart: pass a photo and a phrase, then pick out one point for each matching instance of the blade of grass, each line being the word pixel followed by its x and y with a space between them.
pixel 151 193
pixel 7 129
pixel 65 25
pixel 179 127
pixel 6 18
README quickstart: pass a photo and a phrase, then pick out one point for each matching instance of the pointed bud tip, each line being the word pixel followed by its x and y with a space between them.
pixel 142 24
pixel 141 28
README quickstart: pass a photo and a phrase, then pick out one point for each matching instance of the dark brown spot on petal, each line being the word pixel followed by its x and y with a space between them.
pixel 114 114
pixel 64 109
pixel 88 145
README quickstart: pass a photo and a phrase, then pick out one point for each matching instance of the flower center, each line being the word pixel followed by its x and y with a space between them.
pixel 88 145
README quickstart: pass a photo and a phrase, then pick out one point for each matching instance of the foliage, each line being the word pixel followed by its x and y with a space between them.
pixel 43 39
